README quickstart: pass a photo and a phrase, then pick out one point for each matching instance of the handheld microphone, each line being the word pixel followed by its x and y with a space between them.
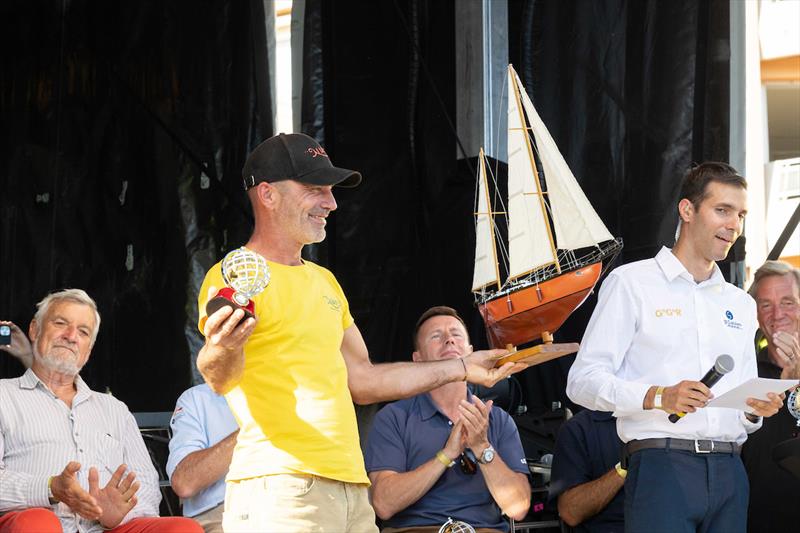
pixel 722 366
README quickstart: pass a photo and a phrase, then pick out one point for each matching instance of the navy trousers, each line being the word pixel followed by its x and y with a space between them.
pixel 675 491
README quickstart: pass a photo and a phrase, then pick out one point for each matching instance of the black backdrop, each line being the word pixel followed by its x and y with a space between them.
pixel 125 126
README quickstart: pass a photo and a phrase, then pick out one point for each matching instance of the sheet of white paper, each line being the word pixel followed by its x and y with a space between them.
pixel 755 388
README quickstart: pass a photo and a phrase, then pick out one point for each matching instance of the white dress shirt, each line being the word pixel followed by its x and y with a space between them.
pixel 654 325
pixel 40 434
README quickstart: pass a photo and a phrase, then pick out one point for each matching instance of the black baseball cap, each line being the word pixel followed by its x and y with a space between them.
pixel 294 156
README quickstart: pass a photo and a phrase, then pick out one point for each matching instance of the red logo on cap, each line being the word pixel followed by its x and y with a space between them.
pixel 320 151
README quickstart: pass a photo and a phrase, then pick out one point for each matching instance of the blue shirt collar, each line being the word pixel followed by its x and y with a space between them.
pixel 427 407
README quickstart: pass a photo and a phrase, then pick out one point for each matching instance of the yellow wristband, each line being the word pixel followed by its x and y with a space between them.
pixel 50 497
pixel 657 398
pixel 621 471
pixel 446 461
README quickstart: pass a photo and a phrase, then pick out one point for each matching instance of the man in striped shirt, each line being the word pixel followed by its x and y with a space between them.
pixel 72 459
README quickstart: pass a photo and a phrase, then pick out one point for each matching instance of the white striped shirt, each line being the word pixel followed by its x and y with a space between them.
pixel 40 434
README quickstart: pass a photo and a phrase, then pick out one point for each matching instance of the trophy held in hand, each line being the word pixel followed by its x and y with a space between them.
pixel 246 274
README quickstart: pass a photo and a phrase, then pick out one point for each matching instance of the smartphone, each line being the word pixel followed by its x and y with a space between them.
pixel 5 335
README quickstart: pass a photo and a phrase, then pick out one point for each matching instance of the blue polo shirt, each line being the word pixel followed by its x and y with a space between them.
pixel 408 433
pixel 587 447
pixel 201 419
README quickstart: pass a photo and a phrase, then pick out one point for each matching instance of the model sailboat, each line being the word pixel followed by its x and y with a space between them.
pixel 557 244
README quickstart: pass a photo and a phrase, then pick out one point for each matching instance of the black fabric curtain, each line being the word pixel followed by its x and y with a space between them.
pixel 124 129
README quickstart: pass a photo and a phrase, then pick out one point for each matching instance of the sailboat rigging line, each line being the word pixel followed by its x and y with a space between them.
pixel 497 134
pixel 492 232
pixel 504 256
pixel 439 99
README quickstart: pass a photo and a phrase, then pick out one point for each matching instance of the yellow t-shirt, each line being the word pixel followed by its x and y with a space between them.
pixel 293 405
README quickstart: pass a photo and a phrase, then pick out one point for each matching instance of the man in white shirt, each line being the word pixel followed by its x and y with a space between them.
pixel 72 459
pixel 659 325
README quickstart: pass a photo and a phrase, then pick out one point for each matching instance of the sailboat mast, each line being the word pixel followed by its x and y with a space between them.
pixel 539 191
pixel 482 163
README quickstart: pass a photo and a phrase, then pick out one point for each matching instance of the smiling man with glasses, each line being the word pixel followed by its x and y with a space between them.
pixel 445 454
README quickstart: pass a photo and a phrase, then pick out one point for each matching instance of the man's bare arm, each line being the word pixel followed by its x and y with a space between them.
pixel 371 383
pixel 202 468
pixel 582 502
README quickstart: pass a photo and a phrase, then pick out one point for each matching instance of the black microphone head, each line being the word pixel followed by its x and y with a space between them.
pixel 724 364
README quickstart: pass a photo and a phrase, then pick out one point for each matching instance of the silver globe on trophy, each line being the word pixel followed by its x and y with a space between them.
pixel 456 526
pixel 246 274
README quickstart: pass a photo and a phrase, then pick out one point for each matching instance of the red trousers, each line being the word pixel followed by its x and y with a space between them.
pixel 40 520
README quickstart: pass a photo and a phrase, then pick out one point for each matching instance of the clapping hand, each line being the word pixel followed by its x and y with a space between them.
pixel 117 498
pixel 67 490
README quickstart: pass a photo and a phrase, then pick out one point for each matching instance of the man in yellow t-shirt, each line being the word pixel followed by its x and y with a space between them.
pixel 291 373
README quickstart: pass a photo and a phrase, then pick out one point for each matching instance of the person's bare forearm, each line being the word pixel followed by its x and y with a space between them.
pixel 203 468
pixel 393 492
pixel 510 490
pixel 394 381
pixel 586 500
pixel 221 368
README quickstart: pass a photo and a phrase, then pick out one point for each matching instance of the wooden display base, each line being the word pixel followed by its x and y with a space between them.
pixel 539 354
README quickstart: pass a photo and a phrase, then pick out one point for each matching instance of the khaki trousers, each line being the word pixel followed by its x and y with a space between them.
pixel 288 503
pixel 211 520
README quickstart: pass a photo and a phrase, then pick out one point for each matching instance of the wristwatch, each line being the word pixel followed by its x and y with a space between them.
pixel 487 456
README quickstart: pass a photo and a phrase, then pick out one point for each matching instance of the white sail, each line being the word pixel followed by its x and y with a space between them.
pixel 486 269
pixel 575 221
pixel 529 243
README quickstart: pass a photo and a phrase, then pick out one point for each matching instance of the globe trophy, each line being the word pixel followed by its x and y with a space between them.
pixel 246 274
pixel 456 526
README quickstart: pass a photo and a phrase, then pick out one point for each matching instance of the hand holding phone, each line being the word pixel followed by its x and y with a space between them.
pixel 5 335
pixel 14 341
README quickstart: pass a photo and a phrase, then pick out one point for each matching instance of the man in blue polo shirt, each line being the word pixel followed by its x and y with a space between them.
pixel 203 437
pixel 414 445
pixel 587 479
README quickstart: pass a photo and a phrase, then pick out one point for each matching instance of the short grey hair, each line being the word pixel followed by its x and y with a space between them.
pixel 773 268
pixel 70 295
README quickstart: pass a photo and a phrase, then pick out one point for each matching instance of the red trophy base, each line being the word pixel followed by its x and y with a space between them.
pixel 225 296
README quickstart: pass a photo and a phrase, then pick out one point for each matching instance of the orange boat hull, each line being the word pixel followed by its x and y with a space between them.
pixel 523 315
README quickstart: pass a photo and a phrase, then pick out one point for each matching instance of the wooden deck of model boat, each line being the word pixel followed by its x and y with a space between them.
pixel 522 316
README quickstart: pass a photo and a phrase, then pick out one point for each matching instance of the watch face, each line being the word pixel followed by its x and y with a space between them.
pixel 488 455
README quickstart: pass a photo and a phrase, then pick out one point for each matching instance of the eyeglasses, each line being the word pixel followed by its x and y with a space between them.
pixel 467 463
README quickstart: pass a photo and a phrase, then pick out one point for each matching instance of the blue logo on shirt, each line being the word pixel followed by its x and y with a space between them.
pixel 730 322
